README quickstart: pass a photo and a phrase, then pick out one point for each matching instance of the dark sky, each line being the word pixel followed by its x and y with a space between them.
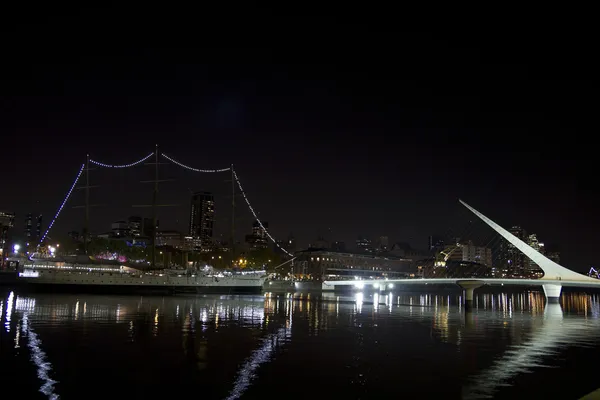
pixel 345 126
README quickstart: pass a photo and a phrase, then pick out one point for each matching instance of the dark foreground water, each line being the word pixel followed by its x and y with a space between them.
pixel 301 346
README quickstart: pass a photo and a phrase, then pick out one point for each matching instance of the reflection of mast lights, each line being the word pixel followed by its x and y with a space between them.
pixel 39 359
pixel 9 307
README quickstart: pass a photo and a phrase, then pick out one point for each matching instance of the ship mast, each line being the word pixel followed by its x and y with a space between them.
pixel 232 246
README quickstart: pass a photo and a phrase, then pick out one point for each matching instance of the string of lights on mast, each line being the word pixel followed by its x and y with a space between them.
pixel 191 168
pixel 63 203
pixel 133 164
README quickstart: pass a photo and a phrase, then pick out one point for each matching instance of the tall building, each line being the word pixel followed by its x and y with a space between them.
pixel 202 218
pixel 533 241
pixel 259 231
pixel 258 238
pixel 516 260
pixel 28 226
pixel 7 221
pixel 38 226
pixel 364 245
pixel 134 226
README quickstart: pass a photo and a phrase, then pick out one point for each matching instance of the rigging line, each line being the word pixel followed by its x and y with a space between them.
pixel 63 203
pixel 191 168
pixel 123 165
pixel 256 216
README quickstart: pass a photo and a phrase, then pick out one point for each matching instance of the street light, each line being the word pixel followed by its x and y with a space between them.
pixel 16 248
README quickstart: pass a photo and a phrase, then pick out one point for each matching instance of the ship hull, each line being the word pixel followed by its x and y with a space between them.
pixel 136 289
pixel 61 281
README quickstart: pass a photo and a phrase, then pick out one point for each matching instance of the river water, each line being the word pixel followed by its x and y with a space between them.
pixel 280 346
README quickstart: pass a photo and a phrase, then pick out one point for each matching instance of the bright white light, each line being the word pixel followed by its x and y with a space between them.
pixel 359 285
pixel 359 301
pixel 16 248
pixel 376 285
pixel 29 274
pixel 391 286
pixel 52 249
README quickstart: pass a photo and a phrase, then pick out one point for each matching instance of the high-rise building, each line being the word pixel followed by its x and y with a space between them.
pixel 202 218
pixel 29 226
pixel 38 226
pixel 260 231
pixel 533 241
pixel 258 239
pixel 7 221
pixel 516 260
pixel 364 245
pixel 134 226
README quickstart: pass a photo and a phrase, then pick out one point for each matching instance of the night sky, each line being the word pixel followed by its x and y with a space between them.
pixel 336 126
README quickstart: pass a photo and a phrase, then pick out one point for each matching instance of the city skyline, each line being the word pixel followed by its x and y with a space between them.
pixel 319 138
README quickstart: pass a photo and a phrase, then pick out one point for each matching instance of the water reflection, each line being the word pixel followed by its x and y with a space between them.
pixel 227 345
pixel 38 356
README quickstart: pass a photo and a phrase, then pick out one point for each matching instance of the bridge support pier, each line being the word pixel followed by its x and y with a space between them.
pixel 469 287
pixel 552 292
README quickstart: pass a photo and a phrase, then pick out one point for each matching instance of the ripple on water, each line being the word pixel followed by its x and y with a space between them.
pixel 367 346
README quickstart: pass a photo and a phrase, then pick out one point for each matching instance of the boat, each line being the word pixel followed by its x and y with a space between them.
pixel 60 276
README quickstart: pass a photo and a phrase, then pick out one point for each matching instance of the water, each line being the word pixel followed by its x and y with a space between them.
pixel 302 346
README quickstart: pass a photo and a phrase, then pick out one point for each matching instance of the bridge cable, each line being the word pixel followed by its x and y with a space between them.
pixel 63 203
pixel 256 216
pixel 191 168
pixel 100 164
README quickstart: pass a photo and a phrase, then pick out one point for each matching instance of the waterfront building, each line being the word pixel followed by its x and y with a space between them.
pixel 468 252
pixel 319 264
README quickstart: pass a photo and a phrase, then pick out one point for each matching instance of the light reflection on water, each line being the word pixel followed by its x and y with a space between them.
pixel 233 347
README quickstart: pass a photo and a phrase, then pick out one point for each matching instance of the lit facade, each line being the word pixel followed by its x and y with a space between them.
pixel 202 218
pixel 322 264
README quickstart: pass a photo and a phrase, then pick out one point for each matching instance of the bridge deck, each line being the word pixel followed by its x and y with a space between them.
pixel 487 281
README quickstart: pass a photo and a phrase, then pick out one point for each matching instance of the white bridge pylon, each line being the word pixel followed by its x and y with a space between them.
pixel 552 270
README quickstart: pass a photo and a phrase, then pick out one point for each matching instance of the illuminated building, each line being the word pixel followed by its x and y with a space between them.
pixel 202 218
